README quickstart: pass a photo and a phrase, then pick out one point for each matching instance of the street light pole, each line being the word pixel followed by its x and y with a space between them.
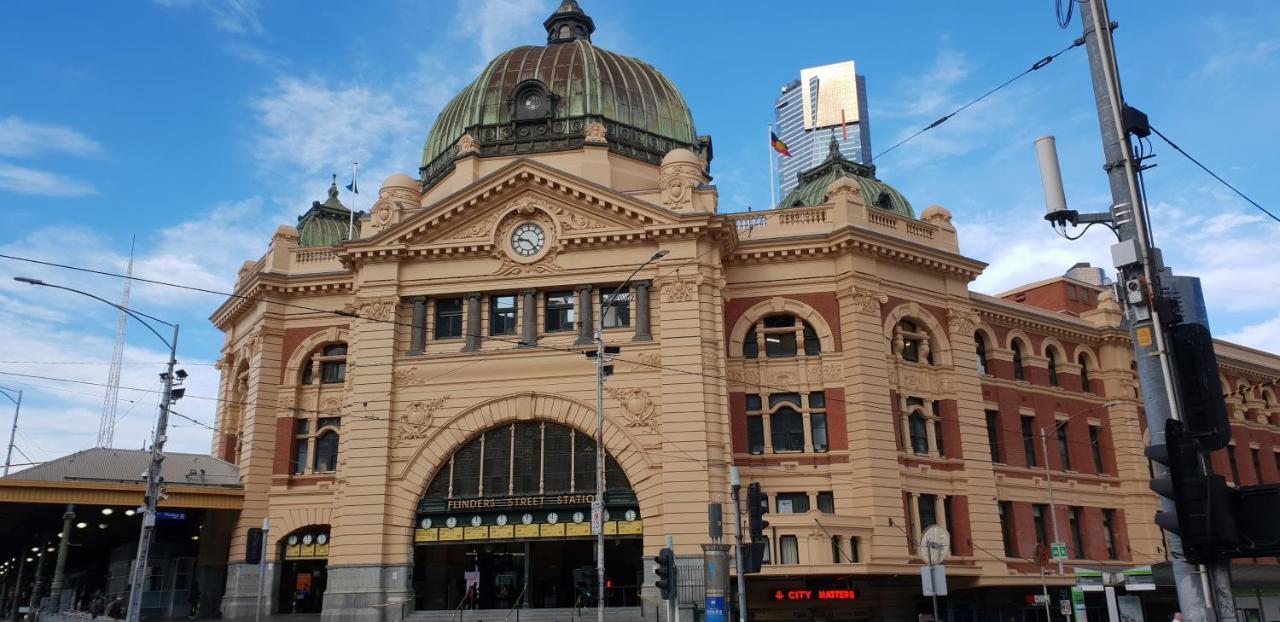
pixel 1048 472
pixel 17 408
pixel 154 486
pixel 597 506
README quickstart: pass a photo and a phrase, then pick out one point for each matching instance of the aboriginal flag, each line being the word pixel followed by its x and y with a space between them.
pixel 778 145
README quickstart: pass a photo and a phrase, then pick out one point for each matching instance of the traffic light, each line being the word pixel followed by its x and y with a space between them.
pixel 756 504
pixel 666 571
pixel 1203 512
pixel 754 556
pixel 584 582
pixel 1204 411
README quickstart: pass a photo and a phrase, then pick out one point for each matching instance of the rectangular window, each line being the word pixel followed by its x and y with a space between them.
pixel 448 318
pixel 1077 536
pixel 788 550
pixel 300 456
pixel 837 553
pixel 786 430
pixel 559 314
pixel 946 516
pixel 617 314
pixel 767 557
pixel 818 421
pixel 1029 440
pixel 928 506
pixel 1257 464
pixel 792 502
pixel 1006 529
pixel 780 336
pixel 827 502
pixel 1235 469
pixel 755 434
pixel 919 433
pixel 1064 448
pixel 1108 533
pixel 502 315
pixel 854 542
pixel 301 426
pixel 1037 515
pixel 1095 444
pixel 993 434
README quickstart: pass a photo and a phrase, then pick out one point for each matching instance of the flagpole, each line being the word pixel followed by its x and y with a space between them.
pixel 773 198
pixel 351 220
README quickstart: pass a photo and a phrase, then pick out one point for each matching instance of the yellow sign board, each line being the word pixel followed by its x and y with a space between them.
pixel 476 533
pixel 526 531
pixel 426 535
pixel 450 534
pixel 1144 336
pixel 504 531
pixel 553 530
pixel 577 529
pixel 631 527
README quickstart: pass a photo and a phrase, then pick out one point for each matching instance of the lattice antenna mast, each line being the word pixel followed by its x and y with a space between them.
pixel 107 426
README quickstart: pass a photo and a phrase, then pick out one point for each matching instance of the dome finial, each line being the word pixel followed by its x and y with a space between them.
pixel 569 23
pixel 833 148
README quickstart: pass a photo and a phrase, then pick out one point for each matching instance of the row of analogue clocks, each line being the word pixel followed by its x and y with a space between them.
pixel 321 539
pixel 525 519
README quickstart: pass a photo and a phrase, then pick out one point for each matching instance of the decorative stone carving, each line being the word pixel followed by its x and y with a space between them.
pixel 374 309
pixel 783 380
pixel 467 144
pixel 382 215
pixel 637 407
pixel 648 361
pixel 943 384
pixel 962 322
pixel 750 376
pixel 574 221
pixel 868 301
pixel 523 209
pixel 909 381
pixel 331 406
pixel 679 289
pixel 479 229
pixel 253 344
pixel 832 372
pixel 407 376
pixel 678 177
pixel 287 401
pixel 415 421
pixel 595 132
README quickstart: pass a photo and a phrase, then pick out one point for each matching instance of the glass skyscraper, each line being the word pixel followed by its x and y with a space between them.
pixel 826 100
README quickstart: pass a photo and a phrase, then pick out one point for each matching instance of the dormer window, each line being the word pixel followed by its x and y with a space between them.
pixel 531 100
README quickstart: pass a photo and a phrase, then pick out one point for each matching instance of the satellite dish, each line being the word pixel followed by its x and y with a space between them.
pixel 935 545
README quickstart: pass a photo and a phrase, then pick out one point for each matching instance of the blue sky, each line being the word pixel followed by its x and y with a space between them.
pixel 199 126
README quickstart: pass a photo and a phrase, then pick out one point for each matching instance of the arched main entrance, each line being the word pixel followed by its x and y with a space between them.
pixel 304 569
pixel 507 520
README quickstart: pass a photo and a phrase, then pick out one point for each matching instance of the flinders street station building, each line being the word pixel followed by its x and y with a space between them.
pixel 408 402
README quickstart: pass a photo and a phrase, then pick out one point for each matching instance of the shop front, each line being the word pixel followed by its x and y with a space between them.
pixel 507 523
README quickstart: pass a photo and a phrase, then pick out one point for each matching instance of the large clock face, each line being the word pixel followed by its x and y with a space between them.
pixel 528 239
pixel 532 101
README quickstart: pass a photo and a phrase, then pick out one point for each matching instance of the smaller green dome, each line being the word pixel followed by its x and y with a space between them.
pixel 328 223
pixel 812 189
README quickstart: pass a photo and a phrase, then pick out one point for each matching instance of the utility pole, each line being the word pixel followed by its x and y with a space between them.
pixel 1053 504
pixel 740 551
pixel 1141 269
pixel 17 409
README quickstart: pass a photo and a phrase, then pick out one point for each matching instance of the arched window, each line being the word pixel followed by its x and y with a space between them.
pixel 781 336
pixel 924 417
pixel 912 343
pixel 980 344
pixel 784 419
pixel 332 362
pixel 919 428
pixel 1084 374
pixel 1018 372
pixel 326 460
pixel 1050 354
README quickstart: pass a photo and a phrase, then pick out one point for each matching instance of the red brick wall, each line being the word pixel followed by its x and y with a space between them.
pixel 962 538
pixel 950 412
pixel 1053 297
pixel 283 457
pixel 230 444
pixel 823 302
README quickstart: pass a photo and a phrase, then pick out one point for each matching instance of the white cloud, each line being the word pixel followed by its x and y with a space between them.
pixel 1263 336
pixel 23 138
pixel 234 16
pixel 500 24
pixel 1240 56
pixel 24 180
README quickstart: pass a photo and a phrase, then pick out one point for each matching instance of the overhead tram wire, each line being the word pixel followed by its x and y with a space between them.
pixel 1214 175
pixel 1040 64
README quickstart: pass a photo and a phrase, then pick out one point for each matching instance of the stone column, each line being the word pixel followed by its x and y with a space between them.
pixel 473 322
pixel 585 323
pixel 418 332
pixel 529 319
pixel 60 566
pixel 643 330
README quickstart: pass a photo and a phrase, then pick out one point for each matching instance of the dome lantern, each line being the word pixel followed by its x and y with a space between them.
pixel 569 23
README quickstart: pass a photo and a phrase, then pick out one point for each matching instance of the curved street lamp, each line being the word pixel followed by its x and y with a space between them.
pixel 169 395
pixel 17 408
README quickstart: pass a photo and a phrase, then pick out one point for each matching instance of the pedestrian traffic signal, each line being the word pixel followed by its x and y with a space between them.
pixel 666 571
pixel 584 582
pixel 1203 513
pixel 756 507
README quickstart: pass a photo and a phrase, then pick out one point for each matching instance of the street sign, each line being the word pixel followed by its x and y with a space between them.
pixel 935 545
pixel 1059 551
pixel 1064 606
pixel 933 580
pixel 1041 599
pixel 597 516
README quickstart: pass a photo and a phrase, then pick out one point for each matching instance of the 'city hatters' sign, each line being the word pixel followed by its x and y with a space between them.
pixel 533 501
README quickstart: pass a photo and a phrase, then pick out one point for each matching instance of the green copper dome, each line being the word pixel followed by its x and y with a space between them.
pixel 328 223
pixel 812 189
pixel 542 98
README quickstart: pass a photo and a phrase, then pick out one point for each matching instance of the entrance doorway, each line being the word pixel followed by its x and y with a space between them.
pixel 534 574
pixel 303 570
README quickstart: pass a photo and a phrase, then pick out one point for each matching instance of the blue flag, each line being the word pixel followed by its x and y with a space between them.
pixel 353 187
